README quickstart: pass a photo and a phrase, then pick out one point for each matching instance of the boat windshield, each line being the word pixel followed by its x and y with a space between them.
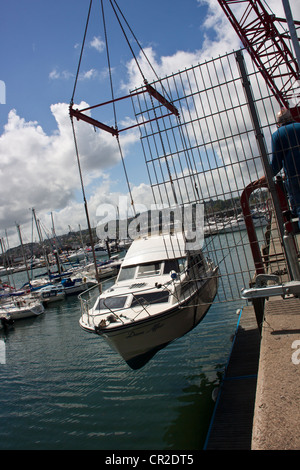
pixel 150 298
pixel 176 265
pixel 152 269
pixel 111 303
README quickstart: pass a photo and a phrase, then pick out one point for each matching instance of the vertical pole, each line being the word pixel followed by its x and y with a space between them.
pixel 23 252
pixel 261 145
pixel 86 210
pixel 292 29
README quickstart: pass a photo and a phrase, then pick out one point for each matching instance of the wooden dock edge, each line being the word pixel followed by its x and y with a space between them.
pixel 231 423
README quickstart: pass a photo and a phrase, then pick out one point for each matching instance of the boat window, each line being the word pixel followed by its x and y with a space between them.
pixel 149 269
pixel 111 303
pixel 176 265
pixel 197 261
pixel 182 264
pixel 126 273
pixel 171 265
pixel 150 298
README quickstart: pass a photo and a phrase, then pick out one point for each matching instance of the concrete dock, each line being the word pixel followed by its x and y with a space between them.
pixel 258 406
pixel 276 423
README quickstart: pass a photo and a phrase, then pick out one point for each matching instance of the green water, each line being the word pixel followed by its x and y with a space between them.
pixel 63 388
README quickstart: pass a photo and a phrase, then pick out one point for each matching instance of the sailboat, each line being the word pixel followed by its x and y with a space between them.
pixel 22 303
pixel 19 307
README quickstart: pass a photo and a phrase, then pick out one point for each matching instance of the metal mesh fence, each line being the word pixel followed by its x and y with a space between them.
pixel 209 154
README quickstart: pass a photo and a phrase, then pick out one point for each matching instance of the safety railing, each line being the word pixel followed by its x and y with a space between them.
pixel 181 291
pixel 255 246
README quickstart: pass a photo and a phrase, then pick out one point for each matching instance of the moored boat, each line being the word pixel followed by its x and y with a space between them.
pixel 162 292
pixel 75 285
pixel 17 308
pixel 51 293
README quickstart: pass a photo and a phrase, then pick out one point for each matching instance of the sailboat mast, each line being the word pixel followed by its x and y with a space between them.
pixel 38 227
pixel 5 259
pixel 23 252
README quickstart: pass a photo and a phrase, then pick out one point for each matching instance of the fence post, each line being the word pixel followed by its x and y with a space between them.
pixel 263 151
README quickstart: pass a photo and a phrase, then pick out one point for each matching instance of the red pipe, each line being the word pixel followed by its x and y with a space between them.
pixel 254 245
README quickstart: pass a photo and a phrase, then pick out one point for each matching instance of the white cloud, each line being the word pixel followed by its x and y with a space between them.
pixel 54 74
pixel 89 74
pixel 57 75
pixel 218 38
pixel 85 75
pixel 97 44
pixel 39 170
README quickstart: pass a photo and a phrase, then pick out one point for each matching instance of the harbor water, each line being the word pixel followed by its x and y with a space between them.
pixel 63 388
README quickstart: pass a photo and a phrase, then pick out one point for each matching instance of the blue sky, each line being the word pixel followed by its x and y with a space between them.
pixel 41 37
pixel 39 56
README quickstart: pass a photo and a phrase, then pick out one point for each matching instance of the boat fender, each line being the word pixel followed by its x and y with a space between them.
pixel 5 322
pixel 215 394
pixel 111 318
pixel 173 275
pixel 101 325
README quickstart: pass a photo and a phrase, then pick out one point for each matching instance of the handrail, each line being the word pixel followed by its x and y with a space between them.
pixel 254 245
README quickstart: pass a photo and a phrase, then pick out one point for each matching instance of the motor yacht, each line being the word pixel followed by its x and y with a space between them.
pixel 162 291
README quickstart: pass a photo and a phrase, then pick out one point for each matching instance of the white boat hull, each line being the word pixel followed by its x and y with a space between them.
pixel 48 296
pixel 21 309
pixel 139 341
pixel 76 289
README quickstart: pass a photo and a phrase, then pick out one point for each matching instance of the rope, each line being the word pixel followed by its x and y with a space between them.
pixel 127 40
pixel 139 45
pixel 85 205
pixel 115 7
pixel 114 107
pixel 164 153
pixel 81 52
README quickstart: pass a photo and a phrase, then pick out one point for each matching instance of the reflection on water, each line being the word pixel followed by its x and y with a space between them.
pixel 62 388
pixel 193 411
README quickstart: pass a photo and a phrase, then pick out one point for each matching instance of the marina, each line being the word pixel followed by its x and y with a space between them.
pixel 73 392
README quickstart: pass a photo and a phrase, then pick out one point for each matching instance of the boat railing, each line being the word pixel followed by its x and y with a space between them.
pixel 89 297
pixel 86 304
